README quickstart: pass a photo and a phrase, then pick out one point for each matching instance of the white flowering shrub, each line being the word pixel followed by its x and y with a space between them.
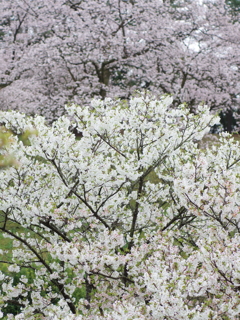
pixel 129 221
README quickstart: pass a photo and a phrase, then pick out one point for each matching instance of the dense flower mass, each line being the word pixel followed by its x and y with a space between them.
pixel 53 52
pixel 127 219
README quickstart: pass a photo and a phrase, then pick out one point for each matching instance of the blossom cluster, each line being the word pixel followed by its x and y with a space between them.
pixel 129 220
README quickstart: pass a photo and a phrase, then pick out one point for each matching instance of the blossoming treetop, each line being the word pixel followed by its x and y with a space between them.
pixel 133 214
pixel 53 52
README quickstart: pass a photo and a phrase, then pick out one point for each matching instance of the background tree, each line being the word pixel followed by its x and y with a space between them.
pixel 132 221
pixel 62 51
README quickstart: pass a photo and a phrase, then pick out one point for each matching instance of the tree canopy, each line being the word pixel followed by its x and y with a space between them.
pixel 134 220
pixel 62 51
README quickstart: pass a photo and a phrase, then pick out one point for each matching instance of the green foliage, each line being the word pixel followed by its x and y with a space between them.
pixel 13 306
pixel 234 6
pixel 5 139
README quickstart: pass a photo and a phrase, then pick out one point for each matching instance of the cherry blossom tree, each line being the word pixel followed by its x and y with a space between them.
pixel 60 51
pixel 132 220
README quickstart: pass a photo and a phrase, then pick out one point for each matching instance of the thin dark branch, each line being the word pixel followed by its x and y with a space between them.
pixel 110 145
